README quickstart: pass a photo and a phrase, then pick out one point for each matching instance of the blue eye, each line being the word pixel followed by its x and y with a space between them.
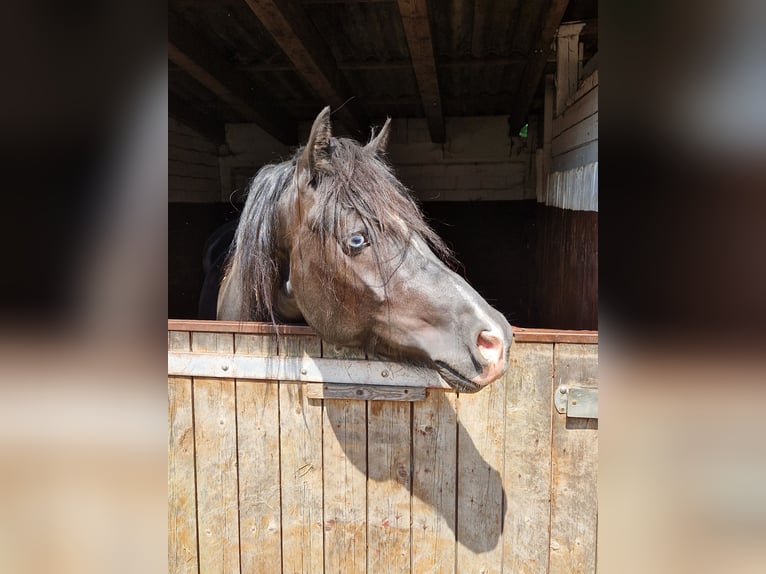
pixel 357 241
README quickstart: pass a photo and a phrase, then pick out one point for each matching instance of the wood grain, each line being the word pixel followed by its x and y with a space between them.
pixel 301 467
pixel 258 447
pixel 479 482
pixel 216 463
pixel 365 392
pixel 182 489
pixel 344 440
pixel 388 487
pixel 434 480
pixel 526 473
pixel 574 502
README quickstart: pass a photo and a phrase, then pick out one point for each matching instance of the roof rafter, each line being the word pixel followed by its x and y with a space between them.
pixel 291 29
pixel 417 29
pixel 188 51
pixel 533 73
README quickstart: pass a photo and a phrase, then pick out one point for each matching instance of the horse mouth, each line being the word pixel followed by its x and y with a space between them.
pixel 455 379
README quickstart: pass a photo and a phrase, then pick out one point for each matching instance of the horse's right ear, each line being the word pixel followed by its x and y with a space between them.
pixel 315 159
pixel 378 143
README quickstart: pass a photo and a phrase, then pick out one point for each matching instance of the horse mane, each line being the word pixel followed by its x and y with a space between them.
pixel 358 180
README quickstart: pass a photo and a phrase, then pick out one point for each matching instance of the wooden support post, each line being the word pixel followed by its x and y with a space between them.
pixel 567 62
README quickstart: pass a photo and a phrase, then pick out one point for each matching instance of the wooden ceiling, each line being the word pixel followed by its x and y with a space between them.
pixel 278 62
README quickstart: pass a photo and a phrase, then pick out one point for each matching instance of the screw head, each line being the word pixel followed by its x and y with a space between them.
pixel 225 367
pixel 303 371
pixel 384 374
pixel 563 389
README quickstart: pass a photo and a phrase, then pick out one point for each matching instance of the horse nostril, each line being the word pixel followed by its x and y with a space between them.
pixel 490 346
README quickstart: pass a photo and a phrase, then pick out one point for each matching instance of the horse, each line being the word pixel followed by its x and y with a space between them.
pixel 332 238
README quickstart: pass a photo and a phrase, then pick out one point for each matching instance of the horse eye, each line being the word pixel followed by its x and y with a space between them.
pixel 357 241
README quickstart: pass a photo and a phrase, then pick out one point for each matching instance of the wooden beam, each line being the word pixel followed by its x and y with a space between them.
pixel 290 27
pixel 417 28
pixel 533 73
pixel 201 122
pixel 400 64
pixel 189 52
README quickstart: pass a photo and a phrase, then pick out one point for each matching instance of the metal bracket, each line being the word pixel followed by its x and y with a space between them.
pixel 576 402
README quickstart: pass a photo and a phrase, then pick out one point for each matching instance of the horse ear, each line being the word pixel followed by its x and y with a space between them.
pixel 316 155
pixel 379 142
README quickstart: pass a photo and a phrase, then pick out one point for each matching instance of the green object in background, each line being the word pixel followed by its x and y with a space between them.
pixel 523 131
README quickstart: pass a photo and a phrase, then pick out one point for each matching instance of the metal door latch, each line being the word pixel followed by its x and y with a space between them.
pixel 577 402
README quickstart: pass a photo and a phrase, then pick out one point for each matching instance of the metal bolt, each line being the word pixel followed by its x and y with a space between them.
pixel 563 389
pixel 574 401
pixel 304 371
pixel 225 367
pixel 384 374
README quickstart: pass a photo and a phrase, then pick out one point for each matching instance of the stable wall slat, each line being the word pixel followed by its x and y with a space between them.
pixel 182 490
pixel 527 474
pixel 434 481
pixel 579 134
pixel 574 502
pixel 301 467
pixel 580 109
pixel 388 486
pixel 216 463
pixel 479 482
pixel 258 447
pixel 344 451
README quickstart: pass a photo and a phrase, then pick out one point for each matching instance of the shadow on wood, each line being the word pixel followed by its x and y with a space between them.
pixel 423 470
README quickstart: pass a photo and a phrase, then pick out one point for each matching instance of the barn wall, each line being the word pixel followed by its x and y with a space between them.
pixel 193 172
pixel 567 195
pixel 478 162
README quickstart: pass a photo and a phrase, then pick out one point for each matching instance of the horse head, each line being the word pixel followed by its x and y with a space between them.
pixel 333 238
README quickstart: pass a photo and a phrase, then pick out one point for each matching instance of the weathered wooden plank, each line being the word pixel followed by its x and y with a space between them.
pixel 237 327
pixel 532 335
pixel 182 488
pixel 417 29
pixel 434 480
pixel 366 392
pixel 301 467
pixel 216 463
pixel 388 487
pixel 535 68
pixel 344 452
pixel 577 135
pixel 258 448
pixel 185 155
pixel 585 86
pixel 192 169
pixel 480 493
pixel 574 503
pixel 527 468
pixel 580 109
pixel 521 334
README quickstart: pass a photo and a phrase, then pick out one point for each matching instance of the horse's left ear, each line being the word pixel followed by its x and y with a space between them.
pixel 316 155
pixel 379 142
